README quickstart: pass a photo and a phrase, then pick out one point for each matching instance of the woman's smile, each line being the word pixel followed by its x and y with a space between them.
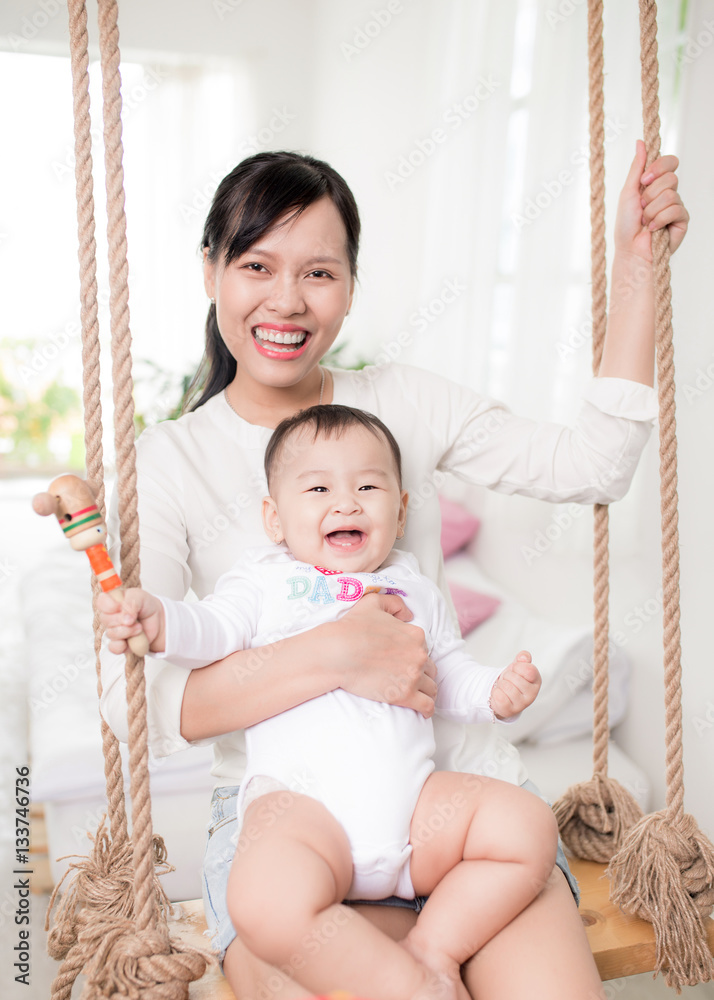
pixel 280 341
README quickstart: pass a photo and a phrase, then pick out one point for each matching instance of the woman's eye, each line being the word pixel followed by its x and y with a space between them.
pixel 254 266
pixel 321 274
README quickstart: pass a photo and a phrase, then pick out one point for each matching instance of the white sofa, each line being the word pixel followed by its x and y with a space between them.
pixel 553 735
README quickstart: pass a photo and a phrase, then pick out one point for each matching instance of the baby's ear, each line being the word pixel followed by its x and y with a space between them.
pixel 271 520
pixel 402 520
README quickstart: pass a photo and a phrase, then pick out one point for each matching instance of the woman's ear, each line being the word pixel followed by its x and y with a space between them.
pixel 209 275
pixel 402 518
pixel 271 520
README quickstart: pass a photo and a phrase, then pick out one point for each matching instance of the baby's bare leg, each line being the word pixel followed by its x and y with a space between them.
pixel 483 849
pixel 292 866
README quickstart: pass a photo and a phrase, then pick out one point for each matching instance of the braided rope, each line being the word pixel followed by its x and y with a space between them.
pixel 90 354
pixel 62 942
pixel 598 270
pixel 145 908
pixel 667 433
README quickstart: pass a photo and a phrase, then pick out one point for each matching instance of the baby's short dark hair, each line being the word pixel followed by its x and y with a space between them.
pixel 330 421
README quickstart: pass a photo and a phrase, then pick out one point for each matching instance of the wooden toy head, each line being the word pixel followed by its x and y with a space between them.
pixel 73 504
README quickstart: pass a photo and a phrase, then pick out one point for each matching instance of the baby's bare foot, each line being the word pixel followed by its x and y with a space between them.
pixel 443 973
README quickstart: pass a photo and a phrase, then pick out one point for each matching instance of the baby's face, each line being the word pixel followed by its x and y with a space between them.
pixel 336 501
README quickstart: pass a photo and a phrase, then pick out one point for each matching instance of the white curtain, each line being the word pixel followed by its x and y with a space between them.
pixel 508 206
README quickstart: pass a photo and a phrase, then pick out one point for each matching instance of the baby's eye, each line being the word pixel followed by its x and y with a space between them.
pixel 368 487
pixel 317 489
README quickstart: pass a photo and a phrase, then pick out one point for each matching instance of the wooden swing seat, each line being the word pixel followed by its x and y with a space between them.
pixel 622 945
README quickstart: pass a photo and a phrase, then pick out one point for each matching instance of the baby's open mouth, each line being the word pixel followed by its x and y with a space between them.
pixel 346 539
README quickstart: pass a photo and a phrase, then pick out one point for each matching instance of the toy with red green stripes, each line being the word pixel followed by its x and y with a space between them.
pixel 72 502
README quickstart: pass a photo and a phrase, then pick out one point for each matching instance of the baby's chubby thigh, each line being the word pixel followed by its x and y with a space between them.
pixel 470 816
pixel 292 860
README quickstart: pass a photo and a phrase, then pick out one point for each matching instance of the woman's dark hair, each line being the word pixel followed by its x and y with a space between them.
pixel 247 203
pixel 330 421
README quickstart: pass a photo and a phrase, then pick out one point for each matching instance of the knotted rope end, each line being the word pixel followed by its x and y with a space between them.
pixel 593 817
pixel 664 873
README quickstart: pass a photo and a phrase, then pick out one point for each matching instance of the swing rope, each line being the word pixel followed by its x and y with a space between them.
pixel 594 815
pixel 661 866
pixel 110 853
pixel 111 921
pixel 664 871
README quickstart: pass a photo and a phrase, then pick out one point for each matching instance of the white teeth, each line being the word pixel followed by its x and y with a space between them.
pixel 280 338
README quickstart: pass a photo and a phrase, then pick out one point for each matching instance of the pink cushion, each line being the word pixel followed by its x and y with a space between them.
pixel 458 527
pixel 472 608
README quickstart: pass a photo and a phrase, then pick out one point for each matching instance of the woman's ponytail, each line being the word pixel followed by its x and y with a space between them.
pixel 216 370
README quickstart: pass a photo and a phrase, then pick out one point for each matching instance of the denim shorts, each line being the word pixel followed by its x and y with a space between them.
pixel 220 848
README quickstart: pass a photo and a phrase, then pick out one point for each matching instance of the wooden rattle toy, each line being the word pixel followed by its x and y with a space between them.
pixel 70 499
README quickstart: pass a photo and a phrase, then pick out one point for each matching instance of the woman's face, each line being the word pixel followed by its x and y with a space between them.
pixel 281 304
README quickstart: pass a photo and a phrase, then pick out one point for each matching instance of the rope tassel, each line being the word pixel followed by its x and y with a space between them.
pixel 664 873
pixel 101 887
pixel 593 817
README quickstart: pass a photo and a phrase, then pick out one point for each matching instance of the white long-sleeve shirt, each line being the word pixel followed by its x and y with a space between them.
pixel 201 482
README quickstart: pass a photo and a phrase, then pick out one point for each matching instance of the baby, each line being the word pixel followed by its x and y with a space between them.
pixel 340 799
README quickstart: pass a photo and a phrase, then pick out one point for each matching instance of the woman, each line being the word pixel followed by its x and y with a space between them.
pixel 280 259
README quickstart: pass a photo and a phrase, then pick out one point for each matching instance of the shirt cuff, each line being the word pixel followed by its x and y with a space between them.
pixel 171 627
pixel 621 397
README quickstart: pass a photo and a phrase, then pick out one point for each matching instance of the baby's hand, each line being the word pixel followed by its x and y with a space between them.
pixel 516 688
pixel 138 612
